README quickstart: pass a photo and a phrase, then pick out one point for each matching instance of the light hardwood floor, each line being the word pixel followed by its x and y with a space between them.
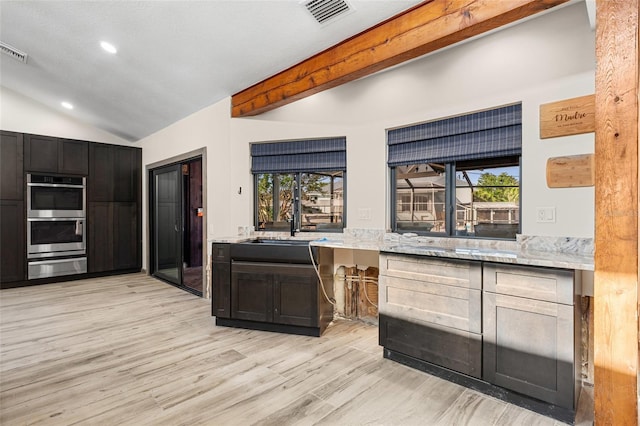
pixel 133 350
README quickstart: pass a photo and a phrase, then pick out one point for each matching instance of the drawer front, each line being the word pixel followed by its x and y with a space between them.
pixel 451 272
pixel 551 285
pixel 220 252
pixel 454 349
pixel 445 305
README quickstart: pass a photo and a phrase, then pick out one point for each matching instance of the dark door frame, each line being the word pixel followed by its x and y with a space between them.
pixel 191 155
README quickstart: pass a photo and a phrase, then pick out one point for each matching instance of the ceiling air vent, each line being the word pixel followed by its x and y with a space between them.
pixel 13 52
pixel 324 10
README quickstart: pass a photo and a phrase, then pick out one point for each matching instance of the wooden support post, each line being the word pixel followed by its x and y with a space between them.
pixel 616 211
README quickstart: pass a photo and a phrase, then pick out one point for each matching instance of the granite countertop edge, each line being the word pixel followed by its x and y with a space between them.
pixel 481 252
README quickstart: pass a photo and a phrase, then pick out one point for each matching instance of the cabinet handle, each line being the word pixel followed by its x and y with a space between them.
pixel 275 310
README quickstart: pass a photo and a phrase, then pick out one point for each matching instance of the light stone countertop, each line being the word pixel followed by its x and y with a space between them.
pixel 552 252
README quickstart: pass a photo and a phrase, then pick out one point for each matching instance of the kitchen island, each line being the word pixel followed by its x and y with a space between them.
pixel 501 317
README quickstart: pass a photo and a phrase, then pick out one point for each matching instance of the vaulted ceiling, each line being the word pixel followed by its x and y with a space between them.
pixel 173 58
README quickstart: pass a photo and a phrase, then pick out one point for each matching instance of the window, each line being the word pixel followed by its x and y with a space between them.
pixel 303 180
pixel 317 205
pixel 458 176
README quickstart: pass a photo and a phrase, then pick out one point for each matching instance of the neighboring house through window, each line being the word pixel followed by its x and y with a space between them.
pixel 458 176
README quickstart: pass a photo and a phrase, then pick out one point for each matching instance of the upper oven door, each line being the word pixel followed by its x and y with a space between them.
pixel 56 197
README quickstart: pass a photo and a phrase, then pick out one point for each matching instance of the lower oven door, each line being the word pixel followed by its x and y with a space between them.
pixel 55 237
pixel 57 267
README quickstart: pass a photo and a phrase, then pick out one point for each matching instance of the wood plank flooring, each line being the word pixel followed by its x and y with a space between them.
pixel 133 350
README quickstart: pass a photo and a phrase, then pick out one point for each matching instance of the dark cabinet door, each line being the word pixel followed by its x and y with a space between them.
pixel 221 281
pixel 114 238
pixel 101 180
pixel 126 173
pixel 251 292
pixel 11 175
pixel 12 241
pixel 73 157
pixel 221 289
pixel 41 154
pixel 126 237
pixel 54 155
pixel 115 173
pixel 529 347
pixel 100 236
pixel 295 296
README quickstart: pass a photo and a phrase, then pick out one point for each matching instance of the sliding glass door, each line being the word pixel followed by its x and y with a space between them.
pixel 168 223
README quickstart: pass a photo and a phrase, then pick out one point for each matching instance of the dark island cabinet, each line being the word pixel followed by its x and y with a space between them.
pixel 115 173
pixel 114 237
pixel 270 295
pixel 45 154
pixel 221 280
pixel 251 292
pixel 295 297
pixel 275 293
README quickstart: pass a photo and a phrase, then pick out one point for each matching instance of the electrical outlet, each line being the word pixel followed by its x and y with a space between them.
pixel 546 214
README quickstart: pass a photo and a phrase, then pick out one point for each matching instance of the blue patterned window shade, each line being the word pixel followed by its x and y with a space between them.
pixel 313 155
pixel 486 134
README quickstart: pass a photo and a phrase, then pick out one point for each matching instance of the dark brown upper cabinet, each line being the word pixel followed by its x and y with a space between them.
pixel 54 155
pixel 11 174
pixel 114 173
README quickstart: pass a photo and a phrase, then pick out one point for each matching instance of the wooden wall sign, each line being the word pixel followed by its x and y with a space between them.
pixel 569 117
pixel 571 171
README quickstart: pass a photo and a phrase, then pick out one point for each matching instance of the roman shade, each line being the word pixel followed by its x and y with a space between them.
pixel 486 134
pixel 312 155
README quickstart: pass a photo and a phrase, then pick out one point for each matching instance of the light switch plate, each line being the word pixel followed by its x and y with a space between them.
pixel 545 214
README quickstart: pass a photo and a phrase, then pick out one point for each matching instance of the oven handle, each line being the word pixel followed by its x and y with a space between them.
pixel 55 185
pixel 56 219
pixel 79 227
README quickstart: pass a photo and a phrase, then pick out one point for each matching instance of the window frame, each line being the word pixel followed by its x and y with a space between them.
pixel 297 201
pixel 450 198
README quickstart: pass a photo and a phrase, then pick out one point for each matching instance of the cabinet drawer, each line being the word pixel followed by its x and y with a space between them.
pixel 452 272
pixel 454 349
pixel 430 302
pixel 220 252
pixel 551 285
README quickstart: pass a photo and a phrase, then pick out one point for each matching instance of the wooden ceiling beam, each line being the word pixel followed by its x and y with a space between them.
pixel 430 26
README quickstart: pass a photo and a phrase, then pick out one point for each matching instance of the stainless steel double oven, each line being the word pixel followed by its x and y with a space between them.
pixel 56 223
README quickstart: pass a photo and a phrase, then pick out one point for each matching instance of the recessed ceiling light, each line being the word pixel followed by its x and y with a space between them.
pixel 108 47
pixel 67 105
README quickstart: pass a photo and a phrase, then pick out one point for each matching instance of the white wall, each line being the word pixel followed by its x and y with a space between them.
pixel 545 59
pixel 208 129
pixel 24 115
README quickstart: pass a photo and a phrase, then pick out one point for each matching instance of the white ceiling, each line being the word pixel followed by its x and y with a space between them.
pixel 174 57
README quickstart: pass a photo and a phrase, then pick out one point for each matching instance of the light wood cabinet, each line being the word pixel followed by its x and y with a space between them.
pixel 431 309
pixel 508 327
pixel 529 319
